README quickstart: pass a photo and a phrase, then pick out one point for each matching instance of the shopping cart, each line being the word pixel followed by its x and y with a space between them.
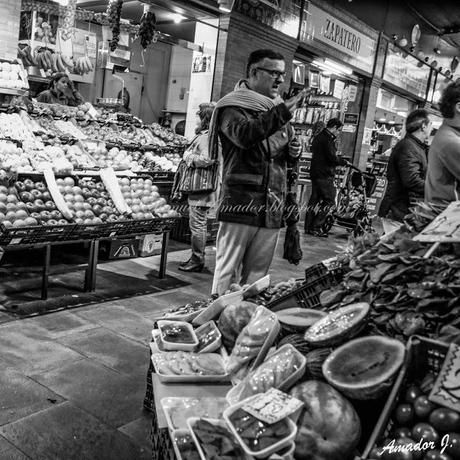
pixel 351 210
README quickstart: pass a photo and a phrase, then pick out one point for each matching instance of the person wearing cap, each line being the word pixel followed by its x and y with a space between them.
pixel 407 168
pixel 197 155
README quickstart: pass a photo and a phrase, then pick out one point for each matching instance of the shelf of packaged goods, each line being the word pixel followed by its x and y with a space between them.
pixel 14 91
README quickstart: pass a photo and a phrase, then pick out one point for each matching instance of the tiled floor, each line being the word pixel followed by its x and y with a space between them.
pixel 72 382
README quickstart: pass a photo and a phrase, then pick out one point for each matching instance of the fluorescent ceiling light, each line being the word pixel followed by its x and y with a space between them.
pixel 332 66
pixel 226 6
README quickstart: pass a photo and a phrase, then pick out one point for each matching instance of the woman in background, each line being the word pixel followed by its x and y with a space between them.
pixel 61 91
pixel 198 155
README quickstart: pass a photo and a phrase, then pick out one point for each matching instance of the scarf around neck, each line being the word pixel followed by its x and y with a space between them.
pixel 243 97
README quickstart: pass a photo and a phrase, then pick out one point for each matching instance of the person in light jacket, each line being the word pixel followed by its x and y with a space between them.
pixel 200 204
pixel 442 183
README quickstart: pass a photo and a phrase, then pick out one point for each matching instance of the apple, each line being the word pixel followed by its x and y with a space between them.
pixel 3 197
pixel 11 199
pixel 80 214
pixel 49 205
pixel 29 185
pixel 79 220
pixel 55 214
pixel 46 196
pixel 89 214
pixel 60 181
pixel 69 197
pixel 19 223
pixel 3 189
pixel 88 221
pixel 45 215
pixel 103 216
pixel 68 189
pixel 30 221
pixel 7 223
pixel 10 215
pixel 40 186
pixel 100 201
pixel 26 196
pixel 86 192
pixel 62 221
pixel 35 215
pixel 52 222
pixel 3 208
pixel 79 199
pixel 36 194
pixel 20 187
pixel 21 214
pixel 97 209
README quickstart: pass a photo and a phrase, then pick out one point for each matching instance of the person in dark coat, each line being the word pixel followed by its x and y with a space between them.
pixel 323 163
pixel 61 91
pixel 252 124
pixel 407 168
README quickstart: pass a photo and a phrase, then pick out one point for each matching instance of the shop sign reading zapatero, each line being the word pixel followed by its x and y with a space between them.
pixel 323 27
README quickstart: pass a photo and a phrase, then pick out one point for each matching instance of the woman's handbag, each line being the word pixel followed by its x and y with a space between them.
pixel 199 180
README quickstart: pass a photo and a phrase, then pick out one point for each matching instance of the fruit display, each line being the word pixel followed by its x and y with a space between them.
pixel 118 159
pixel 69 129
pixel 168 135
pixel 83 65
pixel 39 203
pixel 78 157
pixel 12 127
pixel 58 110
pixel 151 161
pixel 13 212
pixel 50 156
pixel 328 427
pixel 11 76
pixel 143 198
pixel 347 368
pixel 416 417
pixel 12 158
pixel 232 320
pixel 88 201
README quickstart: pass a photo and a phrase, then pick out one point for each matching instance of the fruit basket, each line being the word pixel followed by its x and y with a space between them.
pixel 424 356
pixel 20 235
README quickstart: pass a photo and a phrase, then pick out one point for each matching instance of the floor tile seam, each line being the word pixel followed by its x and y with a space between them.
pixel 41 371
pixel 16 447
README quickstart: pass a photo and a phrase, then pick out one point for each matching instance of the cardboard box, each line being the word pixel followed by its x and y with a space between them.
pixel 120 249
pixel 150 245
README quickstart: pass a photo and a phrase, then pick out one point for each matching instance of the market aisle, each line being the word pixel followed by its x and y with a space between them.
pixel 73 382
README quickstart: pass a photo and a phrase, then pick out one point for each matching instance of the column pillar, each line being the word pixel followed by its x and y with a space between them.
pixel 9 28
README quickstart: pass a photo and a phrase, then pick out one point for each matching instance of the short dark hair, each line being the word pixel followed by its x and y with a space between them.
pixel 259 55
pixel 416 119
pixel 450 97
pixel 334 123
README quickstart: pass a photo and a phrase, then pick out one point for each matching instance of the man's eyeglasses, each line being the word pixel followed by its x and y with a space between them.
pixel 272 73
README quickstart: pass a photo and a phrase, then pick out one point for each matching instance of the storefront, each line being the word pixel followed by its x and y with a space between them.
pixel 334 58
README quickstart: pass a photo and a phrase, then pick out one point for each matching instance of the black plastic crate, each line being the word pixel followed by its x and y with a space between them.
pixel 424 356
pixel 92 231
pixel 307 294
pixel 58 232
pixel 19 235
pixel 146 226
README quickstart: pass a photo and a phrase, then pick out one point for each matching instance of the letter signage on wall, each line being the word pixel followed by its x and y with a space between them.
pixel 321 26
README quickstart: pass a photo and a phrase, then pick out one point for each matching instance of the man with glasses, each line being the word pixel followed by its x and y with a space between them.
pixel 442 183
pixel 252 124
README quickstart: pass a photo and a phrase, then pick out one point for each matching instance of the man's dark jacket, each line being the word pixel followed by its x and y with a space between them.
pixel 406 177
pixel 255 151
pixel 324 156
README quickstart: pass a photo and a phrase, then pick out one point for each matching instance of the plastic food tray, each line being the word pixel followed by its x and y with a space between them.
pixel 424 356
pixel 216 307
pixel 166 378
pixel 178 346
pixel 191 423
pixel 269 450
pixel 257 287
pixel 199 407
pixel 286 384
pixel 213 345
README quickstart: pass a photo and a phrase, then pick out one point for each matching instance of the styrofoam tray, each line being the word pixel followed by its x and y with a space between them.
pixel 216 307
pixel 213 345
pixel 286 384
pixel 269 450
pixel 178 346
pixel 191 422
pixel 192 378
pixel 257 287
pixel 206 407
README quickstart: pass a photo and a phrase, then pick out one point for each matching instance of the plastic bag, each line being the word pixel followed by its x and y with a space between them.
pixel 252 339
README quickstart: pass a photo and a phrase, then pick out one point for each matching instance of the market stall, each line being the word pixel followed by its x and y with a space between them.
pixel 348 363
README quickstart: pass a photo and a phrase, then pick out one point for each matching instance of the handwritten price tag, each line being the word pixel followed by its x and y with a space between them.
pixel 446 390
pixel 272 406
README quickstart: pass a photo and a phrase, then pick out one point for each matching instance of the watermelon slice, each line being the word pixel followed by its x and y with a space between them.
pixel 364 368
pixel 343 323
pixel 299 318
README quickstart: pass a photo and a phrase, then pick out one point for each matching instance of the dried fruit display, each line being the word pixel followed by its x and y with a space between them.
pixel 147 27
pixel 114 15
